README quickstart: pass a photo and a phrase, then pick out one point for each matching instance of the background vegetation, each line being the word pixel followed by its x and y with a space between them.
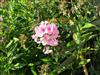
pixel 79 42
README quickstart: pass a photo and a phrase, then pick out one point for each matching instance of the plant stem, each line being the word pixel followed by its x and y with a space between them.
pixel 85 70
pixel 84 66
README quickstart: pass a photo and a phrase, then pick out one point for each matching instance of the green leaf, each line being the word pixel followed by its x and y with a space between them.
pixel 87 37
pixel 17 56
pixel 85 49
pixel 68 44
pixel 23 1
pixel 87 25
pixel 32 68
pixel 46 60
pixel 2 58
pixel 15 39
pixel 31 64
pixel 84 61
pixel 39 47
pixel 17 66
pixel 76 38
pixel 9 44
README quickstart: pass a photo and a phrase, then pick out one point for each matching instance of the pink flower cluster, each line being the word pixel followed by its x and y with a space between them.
pixel 46 34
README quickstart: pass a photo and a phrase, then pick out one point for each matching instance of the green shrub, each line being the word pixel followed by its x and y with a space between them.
pixel 79 40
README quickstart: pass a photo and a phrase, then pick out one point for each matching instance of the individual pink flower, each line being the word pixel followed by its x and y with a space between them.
pixel 36 39
pixel 50 40
pixel 46 50
pixel 53 42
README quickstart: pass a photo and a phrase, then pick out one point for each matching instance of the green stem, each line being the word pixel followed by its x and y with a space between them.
pixel 84 66
pixel 85 70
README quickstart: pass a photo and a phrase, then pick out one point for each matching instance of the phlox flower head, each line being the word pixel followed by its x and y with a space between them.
pixel 46 34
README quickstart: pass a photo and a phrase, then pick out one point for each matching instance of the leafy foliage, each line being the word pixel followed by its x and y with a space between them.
pixel 79 41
